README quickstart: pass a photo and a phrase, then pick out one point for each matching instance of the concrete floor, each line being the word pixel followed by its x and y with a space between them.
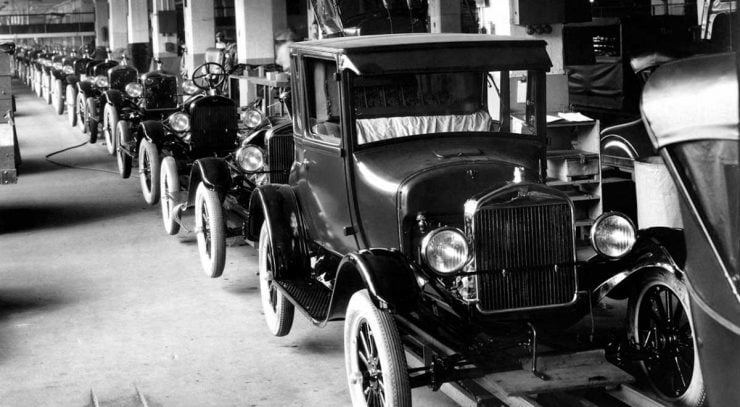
pixel 95 296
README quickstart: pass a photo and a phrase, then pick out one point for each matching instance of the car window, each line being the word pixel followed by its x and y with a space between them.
pixel 324 106
pixel 400 105
pixel 297 98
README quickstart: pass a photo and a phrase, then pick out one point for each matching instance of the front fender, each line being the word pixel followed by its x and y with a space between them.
pixel 655 248
pixel 213 173
pixel 59 75
pixel 277 207
pixel 86 88
pixel 153 131
pixel 387 276
pixel 114 97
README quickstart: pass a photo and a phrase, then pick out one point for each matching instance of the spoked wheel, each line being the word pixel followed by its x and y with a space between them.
pixel 170 186
pixel 123 160
pixel 71 101
pixel 210 231
pixel 277 309
pixel 58 96
pixel 91 122
pixel 110 119
pixel 82 112
pixel 660 322
pixel 149 166
pixel 374 358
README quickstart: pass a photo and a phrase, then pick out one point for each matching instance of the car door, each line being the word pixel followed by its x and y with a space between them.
pixel 319 175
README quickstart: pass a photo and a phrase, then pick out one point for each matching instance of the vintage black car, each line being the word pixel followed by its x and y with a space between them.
pixel 60 73
pixel 263 155
pixel 47 76
pixel 150 100
pixel 88 93
pixel 416 211
pixel 106 76
pixel 78 73
pixel 191 141
pixel 690 109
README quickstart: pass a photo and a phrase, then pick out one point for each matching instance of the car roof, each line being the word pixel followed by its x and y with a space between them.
pixel 692 99
pixel 374 54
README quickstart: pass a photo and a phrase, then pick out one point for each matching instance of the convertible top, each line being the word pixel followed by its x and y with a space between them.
pixel 692 99
pixel 375 54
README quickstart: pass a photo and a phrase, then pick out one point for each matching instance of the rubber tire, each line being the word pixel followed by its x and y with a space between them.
pixel 123 160
pixel 695 395
pixel 110 119
pixel 278 316
pixel 58 96
pixel 71 102
pixel 148 152
pixel 206 201
pixel 390 351
pixel 91 123
pixel 82 112
pixel 169 186
pixel 47 94
pixel 37 84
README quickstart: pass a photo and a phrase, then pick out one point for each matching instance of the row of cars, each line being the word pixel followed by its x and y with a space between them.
pixel 189 141
pixel 403 197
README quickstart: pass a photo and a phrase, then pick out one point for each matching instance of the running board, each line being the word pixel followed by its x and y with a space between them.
pixel 310 297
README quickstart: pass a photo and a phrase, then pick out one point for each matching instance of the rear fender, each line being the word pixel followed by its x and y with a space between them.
pixel 655 248
pixel 114 97
pixel 213 173
pixel 387 276
pixel 277 207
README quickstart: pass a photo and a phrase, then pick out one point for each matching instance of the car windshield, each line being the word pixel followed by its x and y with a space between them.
pixel 389 107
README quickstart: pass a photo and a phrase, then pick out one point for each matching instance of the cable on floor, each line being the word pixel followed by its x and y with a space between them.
pixel 76 167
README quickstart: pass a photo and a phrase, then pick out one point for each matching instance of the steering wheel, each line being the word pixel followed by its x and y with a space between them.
pixel 210 75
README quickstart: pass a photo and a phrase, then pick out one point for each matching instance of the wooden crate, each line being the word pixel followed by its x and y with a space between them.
pixel 9 154
pixel 5 86
pixel 572 165
pixel 5 64
pixel 6 105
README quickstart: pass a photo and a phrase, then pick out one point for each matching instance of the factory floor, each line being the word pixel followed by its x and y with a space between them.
pixel 99 305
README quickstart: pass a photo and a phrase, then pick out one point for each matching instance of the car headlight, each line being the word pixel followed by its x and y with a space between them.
pixel 101 81
pixel 445 250
pixel 134 89
pixel 613 235
pixel 68 70
pixel 57 65
pixel 252 118
pixel 189 88
pixel 250 158
pixel 180 122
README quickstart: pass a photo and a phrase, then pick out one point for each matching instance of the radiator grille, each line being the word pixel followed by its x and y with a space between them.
pixel 524 256
pixel 160 92
pixel 280 157
pixel 213 128
pixel 121 77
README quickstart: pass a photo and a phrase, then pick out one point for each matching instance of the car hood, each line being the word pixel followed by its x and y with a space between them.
pixel 394 183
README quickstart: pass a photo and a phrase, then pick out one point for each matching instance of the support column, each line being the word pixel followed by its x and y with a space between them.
pixel 257 22
pixel 138 34
pixel 117 25
pixel 444 16
pixel 164 34
pixel 101 23
pixel 200 31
